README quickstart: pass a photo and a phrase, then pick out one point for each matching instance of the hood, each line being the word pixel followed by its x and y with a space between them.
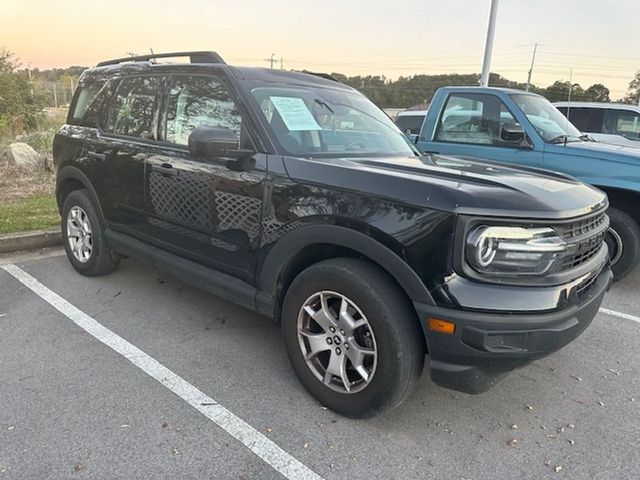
pixel 616 153
pixel 453 184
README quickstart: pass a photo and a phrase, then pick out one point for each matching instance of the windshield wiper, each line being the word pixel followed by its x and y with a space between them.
pixel 587 138
pixel 560 139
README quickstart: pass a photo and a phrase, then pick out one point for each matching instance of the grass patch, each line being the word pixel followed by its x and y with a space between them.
pixel 33 213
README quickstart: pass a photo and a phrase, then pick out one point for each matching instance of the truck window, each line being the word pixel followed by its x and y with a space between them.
pixel 134 111
pixel 473 118
pixel 410 123
pixel 628 124
pixel 585 119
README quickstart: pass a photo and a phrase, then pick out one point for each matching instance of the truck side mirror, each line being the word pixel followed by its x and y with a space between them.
pixel 212 142
pixel 514 133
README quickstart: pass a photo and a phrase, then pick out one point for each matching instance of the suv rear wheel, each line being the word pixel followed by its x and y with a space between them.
pixel 83 235
pixel 352 337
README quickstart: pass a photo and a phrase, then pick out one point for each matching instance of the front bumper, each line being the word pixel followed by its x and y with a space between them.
pixel 485 346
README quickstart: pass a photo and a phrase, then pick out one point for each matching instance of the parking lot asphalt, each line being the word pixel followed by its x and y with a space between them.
pixel 71 407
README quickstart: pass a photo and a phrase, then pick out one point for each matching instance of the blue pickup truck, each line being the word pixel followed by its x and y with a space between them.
pixel 513 126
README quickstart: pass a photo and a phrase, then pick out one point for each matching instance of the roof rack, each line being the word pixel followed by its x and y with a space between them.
pixel 194 57
pixel 326 76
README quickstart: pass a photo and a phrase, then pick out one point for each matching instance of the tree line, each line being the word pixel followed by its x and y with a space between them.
pixel 419 89
pixel 25 93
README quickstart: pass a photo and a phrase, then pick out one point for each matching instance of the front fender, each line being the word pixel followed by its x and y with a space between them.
pixel 292 243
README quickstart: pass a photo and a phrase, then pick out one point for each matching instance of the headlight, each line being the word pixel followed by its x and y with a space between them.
pixel 506 251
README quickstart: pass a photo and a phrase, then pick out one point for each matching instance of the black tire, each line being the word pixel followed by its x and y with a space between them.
pixel 393 323
pixel 625 233
pixel 101 259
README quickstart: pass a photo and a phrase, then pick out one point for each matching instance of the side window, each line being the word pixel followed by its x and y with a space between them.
pixel 411 124
pixel 473 118
pixel 197 102
pixel 91 100
pixel 628 124
pixel 134 110
pixel 586 119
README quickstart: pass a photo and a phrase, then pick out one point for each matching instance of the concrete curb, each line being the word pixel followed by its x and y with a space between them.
pixel 14 242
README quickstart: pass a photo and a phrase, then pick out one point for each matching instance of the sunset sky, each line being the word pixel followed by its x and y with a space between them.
pixel 393 38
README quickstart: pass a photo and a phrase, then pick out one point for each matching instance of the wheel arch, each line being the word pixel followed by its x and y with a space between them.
pixel 623 199
pixel 308 245
pixel 72 178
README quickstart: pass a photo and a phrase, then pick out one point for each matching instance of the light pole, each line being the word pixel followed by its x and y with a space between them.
pixel 488 48
pixel 533 59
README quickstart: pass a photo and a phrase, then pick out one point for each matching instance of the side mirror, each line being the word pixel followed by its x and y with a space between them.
pixel 212 142
pixel 514 133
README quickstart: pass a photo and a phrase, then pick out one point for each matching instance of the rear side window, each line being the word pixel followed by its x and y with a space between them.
pixel 90 102
pixel 134 112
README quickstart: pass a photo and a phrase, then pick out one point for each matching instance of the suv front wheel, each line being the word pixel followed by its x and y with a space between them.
pixel 623 240
pixel 83 236
pixel 352 337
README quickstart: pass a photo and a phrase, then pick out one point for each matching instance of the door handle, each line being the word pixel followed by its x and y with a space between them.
pixel 98 157
pixel 164 169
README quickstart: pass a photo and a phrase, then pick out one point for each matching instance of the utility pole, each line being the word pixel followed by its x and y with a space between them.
pixel 271 60
pixel 281 64
pixel 55 95
pixel 533 59
pixel 488 47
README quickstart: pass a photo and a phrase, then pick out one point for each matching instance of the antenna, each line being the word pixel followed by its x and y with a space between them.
pixel 533 59
pixel 566 123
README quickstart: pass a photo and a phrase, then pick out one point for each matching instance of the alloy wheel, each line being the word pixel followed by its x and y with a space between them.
pixel 337 342
pixel 79 234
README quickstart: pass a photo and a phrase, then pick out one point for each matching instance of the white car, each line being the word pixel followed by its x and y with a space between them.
pixel 614 123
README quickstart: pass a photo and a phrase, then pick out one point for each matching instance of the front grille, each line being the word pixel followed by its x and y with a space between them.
pixel 585 237
pixel 581 227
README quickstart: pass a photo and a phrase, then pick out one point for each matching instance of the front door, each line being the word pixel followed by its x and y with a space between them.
pixel 471 125
pixel 206 210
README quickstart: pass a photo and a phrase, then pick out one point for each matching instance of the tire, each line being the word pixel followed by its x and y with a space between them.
pixel 93 257
pixel 390 329
pixel 623 240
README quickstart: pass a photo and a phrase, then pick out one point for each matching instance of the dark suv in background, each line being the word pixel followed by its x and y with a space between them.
pixel 294 196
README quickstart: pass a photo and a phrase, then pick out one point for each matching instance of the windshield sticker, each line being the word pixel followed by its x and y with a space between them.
pixel 295 114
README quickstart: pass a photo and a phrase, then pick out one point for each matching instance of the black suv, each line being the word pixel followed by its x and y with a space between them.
pixel 294 196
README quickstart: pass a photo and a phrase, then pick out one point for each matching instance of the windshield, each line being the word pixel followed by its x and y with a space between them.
pixel 547 119
pixel 317 122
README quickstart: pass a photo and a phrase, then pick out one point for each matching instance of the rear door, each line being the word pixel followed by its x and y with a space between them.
pixel 121 149
pixel 470 125
pixel 205 210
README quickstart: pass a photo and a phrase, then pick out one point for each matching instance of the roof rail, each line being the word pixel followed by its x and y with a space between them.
pixel 194 57
pixel 326 76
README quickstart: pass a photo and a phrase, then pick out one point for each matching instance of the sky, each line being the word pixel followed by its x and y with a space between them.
pixel 596 40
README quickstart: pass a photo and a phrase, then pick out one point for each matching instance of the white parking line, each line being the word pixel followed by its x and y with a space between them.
pixel 626 316
pixel 255 441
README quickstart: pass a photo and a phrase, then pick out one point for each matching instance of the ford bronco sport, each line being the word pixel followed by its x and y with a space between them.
pixel 294 196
